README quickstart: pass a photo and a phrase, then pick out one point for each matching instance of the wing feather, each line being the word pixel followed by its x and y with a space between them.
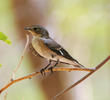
pixel 58 49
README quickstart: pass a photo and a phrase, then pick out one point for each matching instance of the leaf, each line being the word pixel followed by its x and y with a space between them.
pixel 4 38
pixel 0 65
pixel 8 41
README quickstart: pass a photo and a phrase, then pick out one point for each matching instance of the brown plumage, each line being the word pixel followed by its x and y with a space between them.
pixel 48 48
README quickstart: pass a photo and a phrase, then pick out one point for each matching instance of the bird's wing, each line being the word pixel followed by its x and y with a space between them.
pixel 58 49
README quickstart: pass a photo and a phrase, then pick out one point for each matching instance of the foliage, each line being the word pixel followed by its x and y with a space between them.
pixel 4 38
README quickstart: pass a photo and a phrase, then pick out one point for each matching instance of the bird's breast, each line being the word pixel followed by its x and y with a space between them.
pixel 41 48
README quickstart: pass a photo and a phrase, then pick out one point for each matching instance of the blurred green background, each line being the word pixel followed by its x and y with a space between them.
pixel 81 26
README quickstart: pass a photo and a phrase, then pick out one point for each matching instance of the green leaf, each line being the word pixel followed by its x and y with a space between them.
pixel 0 65
pixel 8 41
pixel 4 38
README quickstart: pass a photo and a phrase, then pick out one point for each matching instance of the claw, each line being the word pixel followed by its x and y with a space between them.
pixel 51 69
pixel 42 71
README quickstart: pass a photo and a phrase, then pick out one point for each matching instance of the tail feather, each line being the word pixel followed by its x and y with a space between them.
pixel 77 64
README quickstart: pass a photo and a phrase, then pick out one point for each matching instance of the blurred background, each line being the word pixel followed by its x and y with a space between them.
pixel 80 26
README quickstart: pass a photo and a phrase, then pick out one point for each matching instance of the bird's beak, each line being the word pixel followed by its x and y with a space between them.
pixel 28 28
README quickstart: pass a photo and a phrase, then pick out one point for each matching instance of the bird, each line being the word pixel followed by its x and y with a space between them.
pixel 48 48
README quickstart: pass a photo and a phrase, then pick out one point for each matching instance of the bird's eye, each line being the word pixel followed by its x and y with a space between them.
pixel 35 28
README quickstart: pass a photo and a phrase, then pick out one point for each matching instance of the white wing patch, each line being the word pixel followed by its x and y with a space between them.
pixel 61 52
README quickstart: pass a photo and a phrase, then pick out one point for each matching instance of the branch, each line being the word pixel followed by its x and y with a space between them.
pixel 5 96
pixel 91 71
pixel 82 79
pixel 21 58
pixel 39 73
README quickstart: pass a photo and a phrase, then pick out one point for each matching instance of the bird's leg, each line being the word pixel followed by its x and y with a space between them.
pixel 51 68
pixel 43 69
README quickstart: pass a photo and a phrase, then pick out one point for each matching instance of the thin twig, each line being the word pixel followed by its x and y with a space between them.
pixel 82 79
pixel 21 58
pixel 38 73
pixel 91 71
pixel 5 96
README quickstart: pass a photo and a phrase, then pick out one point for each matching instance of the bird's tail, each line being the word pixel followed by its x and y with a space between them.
pixel 77 64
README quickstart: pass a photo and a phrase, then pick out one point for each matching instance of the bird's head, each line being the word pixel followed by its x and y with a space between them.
pixel 37 30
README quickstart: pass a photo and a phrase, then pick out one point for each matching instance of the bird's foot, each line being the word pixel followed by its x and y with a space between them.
pixel 51 69
pixel 43 71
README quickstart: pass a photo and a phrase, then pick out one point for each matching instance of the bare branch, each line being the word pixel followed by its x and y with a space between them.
pixel 91 71
pixel 5 96
pixel 82 79
pixel 39 73
pixel 21 57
